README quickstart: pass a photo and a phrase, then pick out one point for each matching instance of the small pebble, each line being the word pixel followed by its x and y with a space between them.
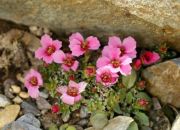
pixel 42 104
pixel 24 95
pixel 15 89
pixel 7 85
pixel 43 94
pixel 4 101
pixel 83 122
pixel 43 112
pixel 83 112
pixel 17 100
pixel 38 31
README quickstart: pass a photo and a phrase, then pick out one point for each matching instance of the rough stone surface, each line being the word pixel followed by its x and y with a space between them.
pixel 13 46
pixel 4 101
pixel 28 108
pixel 149 21
pixel 176 124
pixel 7 86
pixel 17 125
pixel 17 100
pixel 119 123
pixel 25 122
pixel 8 114
pixel 164 81
pixel 42 103
pixel 30 119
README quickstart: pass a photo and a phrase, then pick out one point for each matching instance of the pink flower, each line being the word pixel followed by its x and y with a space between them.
pixel 90 71
pixel 149 57
pixel 137 64
pixel 106 76
pixel 72 93
pixel 33 81
pixel 112 57
pixel 48 48
pixel 79 46
pixel 127 47
pixel 67 60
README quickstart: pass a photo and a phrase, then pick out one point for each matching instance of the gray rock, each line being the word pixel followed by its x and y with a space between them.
pixel 4 101
pixel 163 81
pixel 17 125
pixel 28 108
pixel 42 103
pixel 43 94
pixel 7 85
pixel 30 119
pixel 150 21
pixel 83 122
pixel 83 112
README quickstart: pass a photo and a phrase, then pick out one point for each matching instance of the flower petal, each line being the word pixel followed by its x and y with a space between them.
pixel 82 86
pixel 114 53
pixel 75 65
pixel 105 51
pixel 102 61
pixel 77 98
pixel 73 84
pixel 33 91
pixel 77 36
pixel 48 59
pixel 57 44
pixel 94 43
pixel 62 89
pixel 39 53
pixel 132 54
pixel 75 47
pixel 46 40
pixel 114 41
pixel 65 68
pixel 125 70
pixel 129 43
pixel 156 57
pixel 58 56
pixel 125 60
pixel 67 99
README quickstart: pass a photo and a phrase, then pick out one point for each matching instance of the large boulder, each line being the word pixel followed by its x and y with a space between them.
pixel 149 21
pixel 164 81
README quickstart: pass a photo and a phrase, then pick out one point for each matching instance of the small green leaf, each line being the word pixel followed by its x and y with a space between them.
pixel 129 98
pixel 53 127
pixel 129 81
pixel 70 128
pixel 122 94
pixel 133 126
pixel 142 118
pixel 117 109
pixel 63 127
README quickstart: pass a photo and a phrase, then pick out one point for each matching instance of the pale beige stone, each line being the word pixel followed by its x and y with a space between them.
pixel 164 81
pixel 8 114
pixel 15 89
pixel 24 95
pixel 151 22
